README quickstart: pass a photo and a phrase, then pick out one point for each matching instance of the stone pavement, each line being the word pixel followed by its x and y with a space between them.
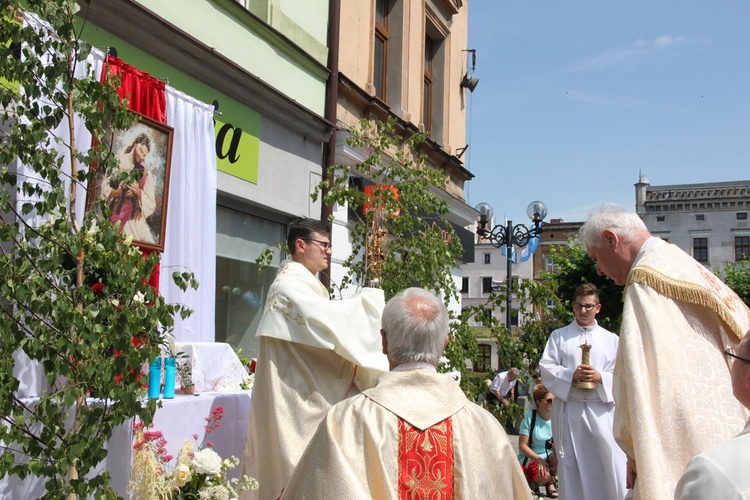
pixel 514 442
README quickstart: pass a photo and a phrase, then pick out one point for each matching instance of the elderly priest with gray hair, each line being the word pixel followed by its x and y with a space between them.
pixel 414 434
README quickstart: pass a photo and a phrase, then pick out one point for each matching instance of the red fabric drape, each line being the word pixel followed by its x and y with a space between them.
pixel 146 95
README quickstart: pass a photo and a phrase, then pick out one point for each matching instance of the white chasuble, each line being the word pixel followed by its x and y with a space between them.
pixel 313 352
pixel 415 435
pixel 672 383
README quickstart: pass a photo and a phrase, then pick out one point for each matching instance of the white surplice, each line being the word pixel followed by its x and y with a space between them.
pixel 313 352
pixel 719 472
pixel 672 383
pixel 356 452
pixel 591 465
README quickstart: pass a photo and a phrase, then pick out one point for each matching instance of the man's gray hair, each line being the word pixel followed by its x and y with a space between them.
pixel 416 324
pixel 623 223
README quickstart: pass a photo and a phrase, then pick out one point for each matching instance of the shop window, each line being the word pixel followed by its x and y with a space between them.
pixel 240 290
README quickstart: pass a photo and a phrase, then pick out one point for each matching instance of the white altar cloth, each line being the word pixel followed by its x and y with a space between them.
pixel 216 367
pixel 178 419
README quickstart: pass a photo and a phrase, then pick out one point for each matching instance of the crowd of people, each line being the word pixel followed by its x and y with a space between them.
pixel 348 401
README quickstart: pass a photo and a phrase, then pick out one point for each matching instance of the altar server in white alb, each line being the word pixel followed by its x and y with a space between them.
pixel 590 464
pixel 313 352
pixel 415 435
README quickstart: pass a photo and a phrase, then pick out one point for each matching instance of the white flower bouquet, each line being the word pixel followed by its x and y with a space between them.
pixel 200 474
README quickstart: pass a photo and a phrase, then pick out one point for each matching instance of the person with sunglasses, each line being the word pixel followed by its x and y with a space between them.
pixel 721 471
pixel 590 464
pixel 312 353
pixel 535 444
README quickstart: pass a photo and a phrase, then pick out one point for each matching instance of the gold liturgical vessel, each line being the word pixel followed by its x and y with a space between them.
pixel 585 354
pixel 376 248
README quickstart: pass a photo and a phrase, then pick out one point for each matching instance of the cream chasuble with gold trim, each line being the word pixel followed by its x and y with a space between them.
pixel 415 435
pixel 313 352
pixel 672 385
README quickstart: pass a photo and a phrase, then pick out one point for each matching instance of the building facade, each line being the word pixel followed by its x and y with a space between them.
pixel 708 221
pixel 288 78
pixel 556 232
pixel 404 60
pixel 487 274
pixel 264 66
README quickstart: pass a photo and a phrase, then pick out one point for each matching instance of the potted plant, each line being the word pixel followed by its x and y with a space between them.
pixel 184 370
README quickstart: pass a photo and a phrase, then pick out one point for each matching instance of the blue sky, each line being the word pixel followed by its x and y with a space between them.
pixel 577 96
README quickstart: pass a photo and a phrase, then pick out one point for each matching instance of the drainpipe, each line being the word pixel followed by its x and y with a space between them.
pixel 332 96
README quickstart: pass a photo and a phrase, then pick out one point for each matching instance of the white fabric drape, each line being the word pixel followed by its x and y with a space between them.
pixel 190 242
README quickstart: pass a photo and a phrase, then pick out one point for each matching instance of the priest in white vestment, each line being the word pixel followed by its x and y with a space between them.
pixel 313 352
pixel 722 471
pixel 415 435
pixel 591 466
pixel 672 384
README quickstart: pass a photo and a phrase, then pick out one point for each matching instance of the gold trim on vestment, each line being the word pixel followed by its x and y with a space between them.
pixel 691 293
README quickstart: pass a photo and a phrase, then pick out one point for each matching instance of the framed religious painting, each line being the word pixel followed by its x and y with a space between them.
pixel 138 203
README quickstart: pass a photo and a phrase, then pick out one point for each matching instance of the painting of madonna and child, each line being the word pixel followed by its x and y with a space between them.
pixel 138 203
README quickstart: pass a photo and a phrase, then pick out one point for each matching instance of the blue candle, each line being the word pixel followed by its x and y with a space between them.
pixel 169 377
pixel 154 379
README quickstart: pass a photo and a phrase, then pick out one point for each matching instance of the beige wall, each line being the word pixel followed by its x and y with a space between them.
pixel 356 63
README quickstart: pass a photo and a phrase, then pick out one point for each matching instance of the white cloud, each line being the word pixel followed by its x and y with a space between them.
pixel 665 41
pixel 630 55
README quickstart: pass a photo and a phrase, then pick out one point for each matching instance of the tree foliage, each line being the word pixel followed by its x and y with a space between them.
pixel 573 267
pixel 737 277
pixel 423 248
pixel 423 251
pixel 75 298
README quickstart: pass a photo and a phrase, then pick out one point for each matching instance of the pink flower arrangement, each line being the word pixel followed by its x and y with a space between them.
pixel 198 473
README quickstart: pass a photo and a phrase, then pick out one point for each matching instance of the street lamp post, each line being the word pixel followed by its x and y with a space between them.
pixel 508 236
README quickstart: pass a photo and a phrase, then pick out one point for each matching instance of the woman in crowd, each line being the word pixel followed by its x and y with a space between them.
pixel 537 451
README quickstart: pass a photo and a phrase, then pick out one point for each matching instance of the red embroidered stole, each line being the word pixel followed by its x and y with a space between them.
pixel 425 461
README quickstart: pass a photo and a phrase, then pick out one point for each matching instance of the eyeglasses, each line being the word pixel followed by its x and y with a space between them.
pixel 731 353
pixel 585 307
pixel 326 244
pixel 549 400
